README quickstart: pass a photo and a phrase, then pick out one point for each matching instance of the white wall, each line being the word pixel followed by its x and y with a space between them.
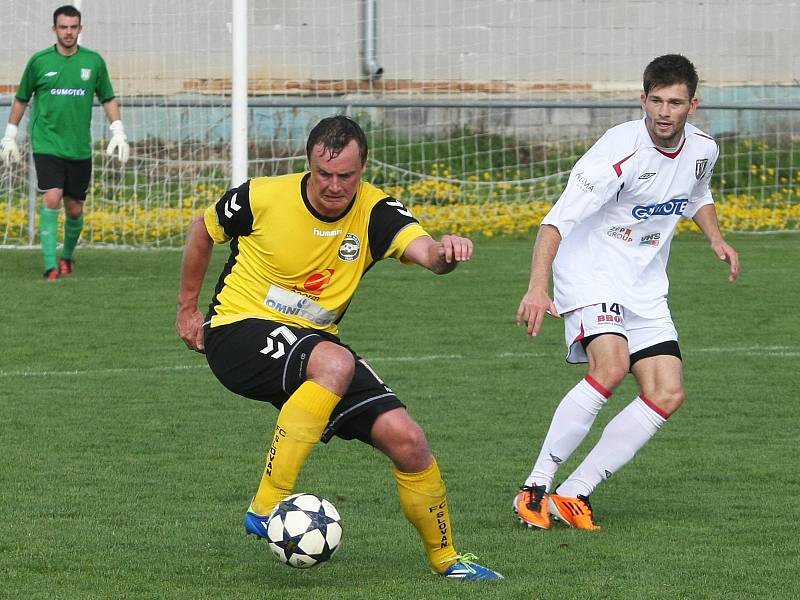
pixel 173 46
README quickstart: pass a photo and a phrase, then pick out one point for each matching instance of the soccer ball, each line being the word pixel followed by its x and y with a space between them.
pixel 304 530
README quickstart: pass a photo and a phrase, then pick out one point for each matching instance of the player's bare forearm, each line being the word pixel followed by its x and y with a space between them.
pixel 706 219
pixel 439 257
pixel 17 110
pixel 536 302
pixel 196 258
pixel 544 253
pixel 112 111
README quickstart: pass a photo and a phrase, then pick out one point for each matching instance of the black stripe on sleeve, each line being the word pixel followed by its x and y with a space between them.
pixel 386 220
pixel 234 213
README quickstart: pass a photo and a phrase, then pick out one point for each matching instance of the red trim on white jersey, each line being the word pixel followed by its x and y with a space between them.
pixel 659 411
pixel 708 137
pixel 672 154
pixel 618 166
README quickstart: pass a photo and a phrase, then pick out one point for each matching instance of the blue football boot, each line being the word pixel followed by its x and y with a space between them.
pixel 465 568
pixel 255 524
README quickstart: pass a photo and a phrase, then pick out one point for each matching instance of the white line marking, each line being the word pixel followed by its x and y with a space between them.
pixel 98 371
pixel 773 351
pixel 423 358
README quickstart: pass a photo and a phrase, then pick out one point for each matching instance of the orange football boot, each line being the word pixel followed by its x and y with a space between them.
pixel 530 504
pixel 575 512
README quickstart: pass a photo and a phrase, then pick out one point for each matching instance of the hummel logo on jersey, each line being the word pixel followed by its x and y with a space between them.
pixel 323 233
pixel 231 206
pixel 646 175
pixel 400 208
pixel 676 206
pixel 555 459
pixel 51 73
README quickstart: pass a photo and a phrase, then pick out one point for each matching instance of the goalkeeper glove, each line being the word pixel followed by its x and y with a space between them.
pixel 9 151
pixel 119 142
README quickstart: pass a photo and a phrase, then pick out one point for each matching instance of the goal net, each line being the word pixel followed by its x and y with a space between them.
pixel 475 110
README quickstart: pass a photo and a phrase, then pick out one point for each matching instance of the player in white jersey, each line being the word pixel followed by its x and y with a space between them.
pixel 607 242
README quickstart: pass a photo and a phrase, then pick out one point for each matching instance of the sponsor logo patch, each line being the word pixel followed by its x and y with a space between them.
pixel 582 182
pixel 651 239
pixel 620 233
pixel 317 281
pixel 676 206
pixel 67 92
pixel 291 303
pixel 350 248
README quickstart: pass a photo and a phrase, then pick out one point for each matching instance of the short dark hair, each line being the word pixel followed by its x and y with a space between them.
pixel 670 69
pixel 334 133
pixel 68 11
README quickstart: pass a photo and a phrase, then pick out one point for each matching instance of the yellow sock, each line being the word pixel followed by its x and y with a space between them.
pixel 299 427
pixel 423 497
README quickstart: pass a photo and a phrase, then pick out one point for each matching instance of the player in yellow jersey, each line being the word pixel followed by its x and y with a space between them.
pixel 300 245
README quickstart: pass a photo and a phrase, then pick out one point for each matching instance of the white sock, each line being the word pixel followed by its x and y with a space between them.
pixel 571 422
pixel 622 438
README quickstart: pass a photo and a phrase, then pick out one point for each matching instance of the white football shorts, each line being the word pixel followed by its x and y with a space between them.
pixel 612 317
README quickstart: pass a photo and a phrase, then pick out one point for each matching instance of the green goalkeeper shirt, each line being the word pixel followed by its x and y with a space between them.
pixel 64 87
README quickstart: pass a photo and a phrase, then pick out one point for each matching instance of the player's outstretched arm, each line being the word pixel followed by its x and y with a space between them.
pixel 536 303
pixel 439 257
pixel 196 258
pixel 706 219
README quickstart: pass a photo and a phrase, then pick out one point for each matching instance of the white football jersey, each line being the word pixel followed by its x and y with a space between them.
pixel 618 214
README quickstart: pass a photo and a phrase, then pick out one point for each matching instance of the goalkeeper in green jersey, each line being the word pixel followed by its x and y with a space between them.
pixel 64 79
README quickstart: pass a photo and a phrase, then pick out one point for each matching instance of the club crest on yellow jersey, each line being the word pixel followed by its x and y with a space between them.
pixel 350 248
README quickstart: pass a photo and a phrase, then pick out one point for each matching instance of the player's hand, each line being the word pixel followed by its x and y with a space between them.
pixel 726 253
pixel 454 248
pixel 189 326
pixel 9 151
pixel 534 306
pixel 118 143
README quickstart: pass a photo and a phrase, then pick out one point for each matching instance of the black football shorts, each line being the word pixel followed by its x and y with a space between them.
pixel 266 360
pixel 72 176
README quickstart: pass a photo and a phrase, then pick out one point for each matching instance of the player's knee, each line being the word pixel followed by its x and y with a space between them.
pixel 331 365
pixel 52 198
pixel 73 209
pixel 668 400
pixel 610 375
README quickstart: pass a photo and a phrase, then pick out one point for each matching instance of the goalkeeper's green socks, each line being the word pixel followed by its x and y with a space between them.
pixel 72 233
pixel 423 497
pixel 48 225
pixel 299 427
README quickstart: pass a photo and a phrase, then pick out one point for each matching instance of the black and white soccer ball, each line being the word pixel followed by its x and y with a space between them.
pixel 304 530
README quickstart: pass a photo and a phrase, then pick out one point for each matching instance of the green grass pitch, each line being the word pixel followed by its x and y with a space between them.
pixel 126 467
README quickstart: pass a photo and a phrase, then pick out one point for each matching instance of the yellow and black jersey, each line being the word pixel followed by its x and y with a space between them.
pixel 290 264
